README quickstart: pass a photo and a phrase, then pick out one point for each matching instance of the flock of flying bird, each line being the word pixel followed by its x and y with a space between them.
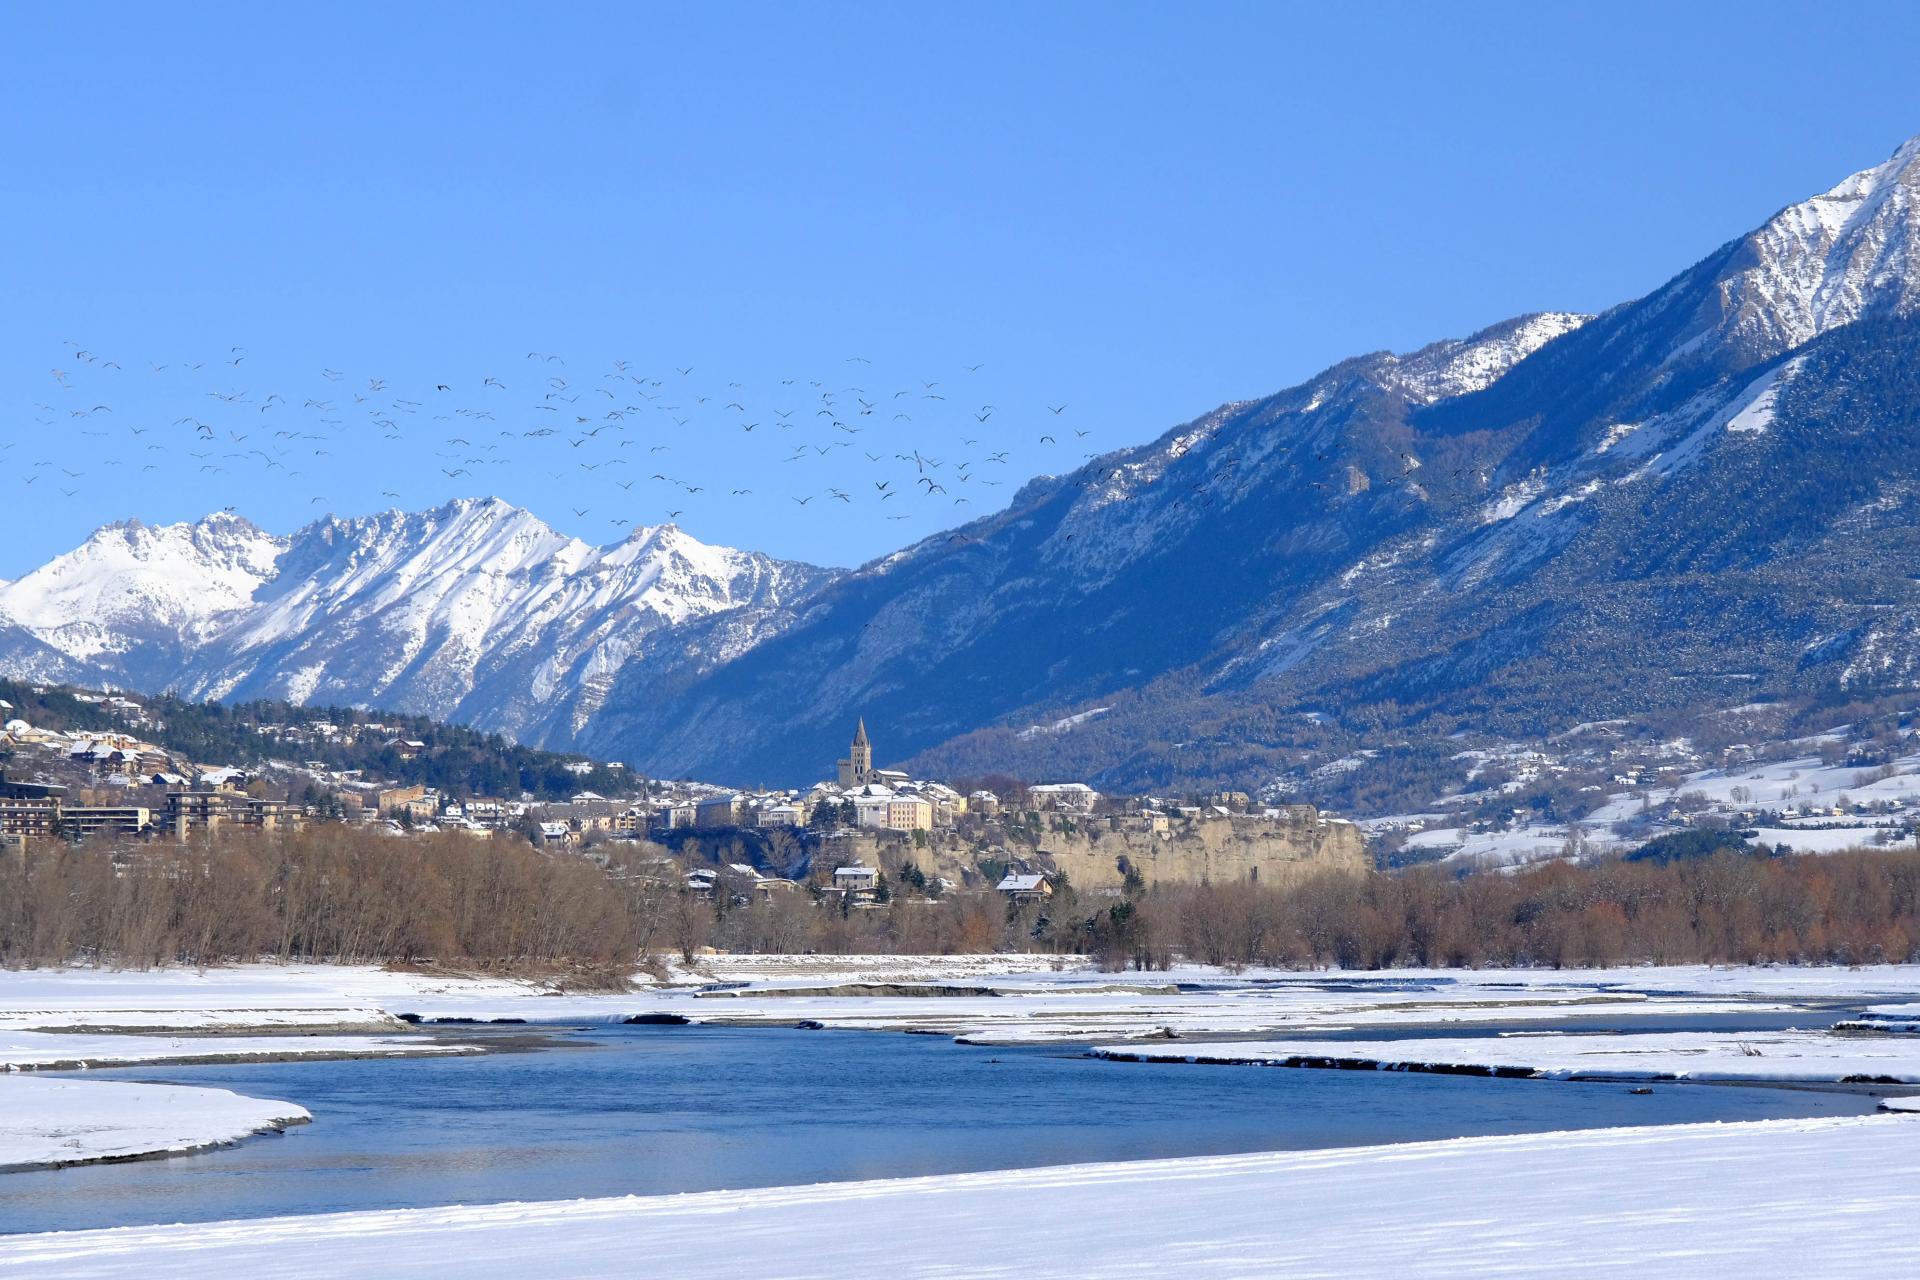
pixel 632 445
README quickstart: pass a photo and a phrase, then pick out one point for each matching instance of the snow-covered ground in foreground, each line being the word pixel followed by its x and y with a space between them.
pixel 1774 1198
pixel 46 1121
pixel 1807 1057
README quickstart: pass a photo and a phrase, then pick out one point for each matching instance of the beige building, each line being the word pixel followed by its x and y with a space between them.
pixel 205 810
pixel 721 811
pixel 909 813
pixel 83 822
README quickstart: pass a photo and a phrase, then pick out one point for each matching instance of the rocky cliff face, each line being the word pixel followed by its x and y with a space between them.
pixel 1213 851
pixel 1094 853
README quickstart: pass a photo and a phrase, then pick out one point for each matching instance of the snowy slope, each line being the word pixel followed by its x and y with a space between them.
pixel 1456 366
pixel 475 610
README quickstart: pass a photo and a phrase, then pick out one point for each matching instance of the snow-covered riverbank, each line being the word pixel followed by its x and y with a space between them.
pixel 1777 1198
pixel 984 999
pixel 45 1121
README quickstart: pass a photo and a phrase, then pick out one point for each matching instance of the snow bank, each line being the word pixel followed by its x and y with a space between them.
pixel 56 1122
pixel 1806 1057
pixel 1886 1019
pixel 45 1051
pixel 1774 1198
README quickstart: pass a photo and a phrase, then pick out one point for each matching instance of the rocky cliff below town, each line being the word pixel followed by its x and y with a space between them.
pixel 1097 853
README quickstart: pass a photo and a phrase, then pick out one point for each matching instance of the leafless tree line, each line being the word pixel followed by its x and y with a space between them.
pixel 333 893
pixel 1852 908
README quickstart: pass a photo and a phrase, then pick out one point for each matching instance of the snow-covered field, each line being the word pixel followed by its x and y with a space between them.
pixel 1806 788
pixel 1775 1198
pixel 1491 848
pixel 1779 784
pixel 1823 839
pixel 46 1121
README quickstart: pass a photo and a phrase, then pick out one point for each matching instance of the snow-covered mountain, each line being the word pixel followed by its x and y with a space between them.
pixel 1709 492
pixel 475 611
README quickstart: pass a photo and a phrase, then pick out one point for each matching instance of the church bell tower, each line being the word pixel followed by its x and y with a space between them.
pixel 857 769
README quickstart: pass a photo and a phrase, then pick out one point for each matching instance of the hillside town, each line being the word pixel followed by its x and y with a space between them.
pixel 854 837
pixel 1595 790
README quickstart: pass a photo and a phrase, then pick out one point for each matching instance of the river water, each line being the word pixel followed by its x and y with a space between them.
pixel 645 1110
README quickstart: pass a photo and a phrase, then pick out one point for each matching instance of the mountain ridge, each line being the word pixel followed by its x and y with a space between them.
pixel 474 610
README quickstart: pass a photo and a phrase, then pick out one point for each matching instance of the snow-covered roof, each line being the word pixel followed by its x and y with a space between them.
pixel 1020 884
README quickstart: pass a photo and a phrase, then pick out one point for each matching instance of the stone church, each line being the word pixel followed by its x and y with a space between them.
pixel 857 769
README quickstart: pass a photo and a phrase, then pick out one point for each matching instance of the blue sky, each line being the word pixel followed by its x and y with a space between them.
pixel 1135 212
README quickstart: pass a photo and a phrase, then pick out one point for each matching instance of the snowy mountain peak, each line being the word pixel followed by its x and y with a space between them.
pixel 129 580
pixel 1827 261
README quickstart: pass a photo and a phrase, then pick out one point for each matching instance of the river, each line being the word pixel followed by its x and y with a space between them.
pixel 646 1110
